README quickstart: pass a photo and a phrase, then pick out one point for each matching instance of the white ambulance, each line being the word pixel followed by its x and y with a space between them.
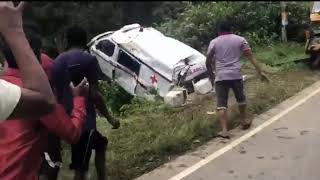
pixel 142 58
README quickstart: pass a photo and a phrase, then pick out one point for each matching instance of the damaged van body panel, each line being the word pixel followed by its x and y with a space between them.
pixel 140 59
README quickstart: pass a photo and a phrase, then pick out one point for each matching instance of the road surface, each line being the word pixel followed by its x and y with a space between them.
pixel 283 146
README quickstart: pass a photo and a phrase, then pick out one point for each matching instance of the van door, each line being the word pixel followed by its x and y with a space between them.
pixel 107 53
pixel 127 72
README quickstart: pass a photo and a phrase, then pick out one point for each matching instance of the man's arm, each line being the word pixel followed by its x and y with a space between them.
pixel 36 92
pixel 36 95
pixel 31 104
pixel 249 55
pixel 60 124
pixel 210 64
pixel 97 98
pixel 252 59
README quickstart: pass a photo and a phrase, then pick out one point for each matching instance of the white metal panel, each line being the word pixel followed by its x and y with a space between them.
pixel 316 7
pixel 125 80
pixel 163 85
pixel 105 67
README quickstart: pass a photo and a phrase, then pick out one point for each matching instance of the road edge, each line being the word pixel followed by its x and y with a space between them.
pixel 173 169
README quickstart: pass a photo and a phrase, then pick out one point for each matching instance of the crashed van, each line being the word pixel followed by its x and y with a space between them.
pixel 142 58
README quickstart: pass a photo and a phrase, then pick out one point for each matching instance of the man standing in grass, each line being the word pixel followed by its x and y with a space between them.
pixel 224 68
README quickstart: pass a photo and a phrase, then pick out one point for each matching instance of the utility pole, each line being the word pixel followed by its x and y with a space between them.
pixel 284 21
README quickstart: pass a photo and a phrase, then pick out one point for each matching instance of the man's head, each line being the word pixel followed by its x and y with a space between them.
pixel 31 25
pixel 34 38
pixel 76 36
pixel 225 26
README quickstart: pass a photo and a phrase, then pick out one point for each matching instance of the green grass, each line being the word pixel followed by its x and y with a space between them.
pixel 280 53
pixel 150 136
pixel 279 57
pixel 152 133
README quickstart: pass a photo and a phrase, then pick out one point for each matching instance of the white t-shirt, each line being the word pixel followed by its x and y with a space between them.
pixel 9 97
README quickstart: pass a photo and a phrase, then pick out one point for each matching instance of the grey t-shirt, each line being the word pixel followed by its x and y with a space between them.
pixel 227 50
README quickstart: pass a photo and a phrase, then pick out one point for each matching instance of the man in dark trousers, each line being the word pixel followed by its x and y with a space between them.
pixel 72 66
pixel 224 68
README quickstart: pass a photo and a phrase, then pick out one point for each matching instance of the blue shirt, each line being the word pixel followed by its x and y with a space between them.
pixel 73 66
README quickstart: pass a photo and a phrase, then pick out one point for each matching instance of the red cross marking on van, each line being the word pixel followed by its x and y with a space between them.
pixel 153 79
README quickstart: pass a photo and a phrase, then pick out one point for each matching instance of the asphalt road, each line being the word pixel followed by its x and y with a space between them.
pixel 283 144
pixel 288 149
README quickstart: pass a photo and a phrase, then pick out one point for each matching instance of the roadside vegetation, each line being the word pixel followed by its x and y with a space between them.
pixel 153 133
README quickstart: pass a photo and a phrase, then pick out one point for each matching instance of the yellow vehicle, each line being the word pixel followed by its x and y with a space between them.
pixel 312 46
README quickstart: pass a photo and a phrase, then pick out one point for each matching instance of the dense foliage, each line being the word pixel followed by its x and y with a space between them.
pixel 98 17
pixel 260 22
pixel 194 23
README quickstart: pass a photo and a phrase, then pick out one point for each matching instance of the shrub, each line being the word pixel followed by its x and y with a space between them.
pixel 115 96
pixel 259 22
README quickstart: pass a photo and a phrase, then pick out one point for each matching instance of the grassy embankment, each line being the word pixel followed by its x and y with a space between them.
pixel 151 133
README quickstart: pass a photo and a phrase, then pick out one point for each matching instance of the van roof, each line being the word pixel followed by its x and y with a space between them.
pixel 155 49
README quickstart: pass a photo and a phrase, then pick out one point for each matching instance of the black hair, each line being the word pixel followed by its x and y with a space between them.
pixel 51 51
pixel 76 36
pixel 225 26
pixel 31 25
pixel 34 39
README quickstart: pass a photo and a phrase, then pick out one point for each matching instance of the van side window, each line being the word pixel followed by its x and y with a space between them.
pixel 106 47
pixel 129 62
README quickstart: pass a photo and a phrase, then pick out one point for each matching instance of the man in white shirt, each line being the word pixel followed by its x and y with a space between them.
pixel 35 98
pixel 10 95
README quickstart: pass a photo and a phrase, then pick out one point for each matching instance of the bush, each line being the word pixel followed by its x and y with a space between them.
pixel 196 24
pixel 115 96
pixel 97 17
pixel 259 22
pixel 143 106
